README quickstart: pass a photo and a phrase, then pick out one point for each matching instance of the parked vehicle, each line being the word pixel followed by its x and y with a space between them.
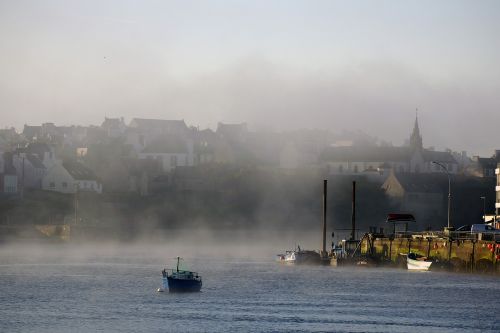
pixel 464 228
pixel 483 228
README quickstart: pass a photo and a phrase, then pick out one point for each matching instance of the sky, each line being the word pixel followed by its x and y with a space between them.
pixel 277 65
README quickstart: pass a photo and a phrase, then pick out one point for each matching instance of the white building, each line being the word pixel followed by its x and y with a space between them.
pixel 171 152
pixel 68 177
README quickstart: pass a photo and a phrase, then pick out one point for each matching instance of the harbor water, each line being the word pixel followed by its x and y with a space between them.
pixel 117 293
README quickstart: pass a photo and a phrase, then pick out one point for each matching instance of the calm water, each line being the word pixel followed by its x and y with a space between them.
pixel 118 293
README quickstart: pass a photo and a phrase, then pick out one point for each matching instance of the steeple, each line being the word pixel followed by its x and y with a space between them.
pixel 416 138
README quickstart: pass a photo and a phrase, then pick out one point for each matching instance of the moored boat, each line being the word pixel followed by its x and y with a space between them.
pixel 299 257
pixel 177 280
pixel 417 263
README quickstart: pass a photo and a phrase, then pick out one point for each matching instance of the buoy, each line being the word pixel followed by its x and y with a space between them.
pixel 159 290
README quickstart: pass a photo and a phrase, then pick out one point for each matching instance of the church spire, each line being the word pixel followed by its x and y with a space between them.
pixel 416 138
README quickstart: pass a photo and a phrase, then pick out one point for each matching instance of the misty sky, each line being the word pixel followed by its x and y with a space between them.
pixel 275 64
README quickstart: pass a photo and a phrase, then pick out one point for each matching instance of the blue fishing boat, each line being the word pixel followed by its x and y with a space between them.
pixel 177 280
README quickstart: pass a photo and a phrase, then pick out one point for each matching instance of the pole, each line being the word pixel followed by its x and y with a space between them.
pixel 76 204
pixel 323 252
pixel 449 200
pixel 484 208
pixel 449 191
pixel 353 213
pixel 22 184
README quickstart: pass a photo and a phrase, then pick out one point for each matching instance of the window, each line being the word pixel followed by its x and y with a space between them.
pixel 341 168
pixel 64 185
pixel 173 161
pixel 52 185
pixel 355 169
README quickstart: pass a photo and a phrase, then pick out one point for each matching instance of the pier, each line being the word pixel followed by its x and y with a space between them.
pixel 454 251
pixel 457 251
pixel 463 252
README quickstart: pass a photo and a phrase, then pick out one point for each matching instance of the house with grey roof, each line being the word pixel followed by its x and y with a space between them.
pixel 419 194
pixel 8 138
pixel 4 144
pixel 144 132
pixel 69 177
pixel 232 132
pixel 204 142
pixel 114 127
pixel 159 126
pixel 171 151
pixel 484 166
pixel 29 169
pixel 43 151
pixel 32 132
pixel 8 176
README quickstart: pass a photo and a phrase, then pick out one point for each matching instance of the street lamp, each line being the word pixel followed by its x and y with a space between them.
pixel 449 191
pixel 484 209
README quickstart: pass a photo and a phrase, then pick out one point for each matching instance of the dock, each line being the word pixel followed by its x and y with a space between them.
pixel 453 251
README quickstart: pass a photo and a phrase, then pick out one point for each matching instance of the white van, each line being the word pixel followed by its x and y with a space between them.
pixel 483 228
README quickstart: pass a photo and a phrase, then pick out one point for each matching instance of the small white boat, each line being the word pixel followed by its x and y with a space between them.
pixel 299 257
pixel 288 258
pixel 417 263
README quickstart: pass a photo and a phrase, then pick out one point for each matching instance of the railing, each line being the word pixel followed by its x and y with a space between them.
pixel 457 235
pixel 181 274
pixel 419 235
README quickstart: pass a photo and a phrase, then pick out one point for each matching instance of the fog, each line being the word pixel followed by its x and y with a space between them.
pixel 276 65
pixel 357 67
pixel 190 244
